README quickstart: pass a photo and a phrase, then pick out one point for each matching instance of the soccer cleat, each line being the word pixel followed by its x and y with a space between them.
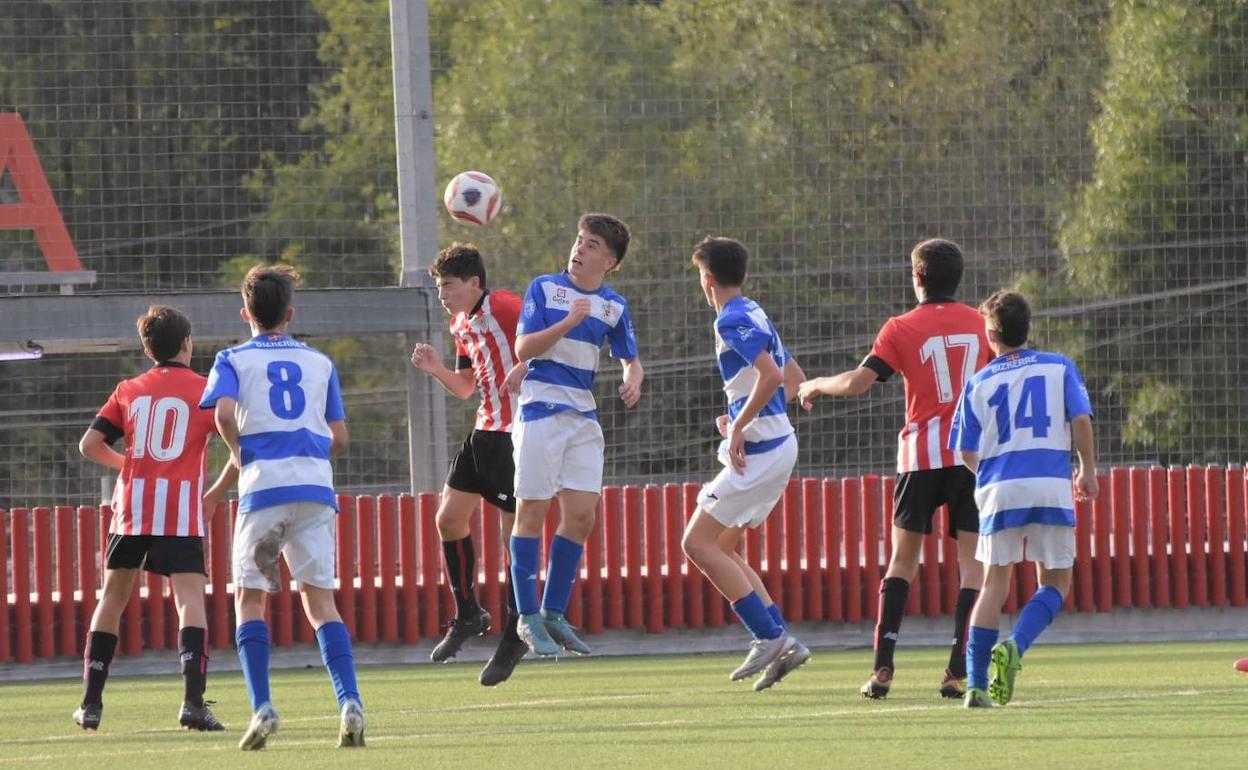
pixel 88 715
pixel 263 724
pixel 762 653
pixel 977 699
pixel 504 660
pixel 532 630
pixel 351 730
pixel 1007 661
pixel 200 717
pixel 459 631
pixel 878 685
pixel 563 633
pixel 782 666
pixel 952 686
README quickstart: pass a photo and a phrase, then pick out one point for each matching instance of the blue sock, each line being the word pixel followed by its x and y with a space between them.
pixel 525 552
pixel 755 616
pixel 561 573
pixel 339 660
pixel 252 639
pixel 979 644
pixel 774 611
pixel 1036 616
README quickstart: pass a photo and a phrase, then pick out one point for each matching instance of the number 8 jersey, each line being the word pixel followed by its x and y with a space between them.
pixel 287 393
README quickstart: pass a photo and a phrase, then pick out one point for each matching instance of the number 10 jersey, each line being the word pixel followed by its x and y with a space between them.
pixel 287 393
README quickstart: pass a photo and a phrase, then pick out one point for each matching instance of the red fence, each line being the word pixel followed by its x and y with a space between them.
pixel 1153 538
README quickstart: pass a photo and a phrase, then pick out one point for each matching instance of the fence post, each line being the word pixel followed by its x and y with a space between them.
pixel 852 516
pixel 814 574
pixel 366 518
pixel 346 561
pixel 773 544
pixel 22 620
pixel 6 651
pixel 1083 557
pixel 594 618
pixel 86 575
pixel 697 581
pixel 1215 513
pixel 218 547
pixel 430 565
pixel 65 580
pixel 388 531
pixel 1196 536
pixel 633 555
pixel 409 567
pixel 871 514
pixel 613 537
pixel 44 608
pixel 674 530
pixel 653 510
pixel 1158 516
pixel 1142 592
pixel 1235 512
pixel 1102 515
pixel 1120 499
pixel 832 545
pixel 1177 497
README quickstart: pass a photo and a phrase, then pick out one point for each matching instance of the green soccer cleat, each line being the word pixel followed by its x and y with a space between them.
pixel 1007 662
pixel 263 724
pixel 532 630
pixel 563 633
pixel 351 729
pixel 977 699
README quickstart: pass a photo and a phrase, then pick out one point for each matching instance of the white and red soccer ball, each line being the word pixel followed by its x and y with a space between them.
pixel 472 198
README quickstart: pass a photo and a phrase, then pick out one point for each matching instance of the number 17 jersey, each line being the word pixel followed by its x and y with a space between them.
pixel 937 347
pixel 287 393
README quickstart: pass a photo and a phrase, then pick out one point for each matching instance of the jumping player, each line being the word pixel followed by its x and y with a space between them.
pixel 160 508
pixel 279 408
pixel 483 323
pixel 558 443
pixel 936 347
pixel 1014 428
pixel 758 454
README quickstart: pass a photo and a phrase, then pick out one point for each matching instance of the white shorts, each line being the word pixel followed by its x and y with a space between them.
pixel 746 499
pixel 304 533
pixel 562 451
pixel 1051 545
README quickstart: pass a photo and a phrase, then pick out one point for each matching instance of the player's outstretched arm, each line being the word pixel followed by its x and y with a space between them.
pixel 459 384
pixel 769 378
pixel 854 382
pixel 227 426
pixel 1086 485
pixel 534 344
pixel 630 389
pixel 793 378
pixel 94 446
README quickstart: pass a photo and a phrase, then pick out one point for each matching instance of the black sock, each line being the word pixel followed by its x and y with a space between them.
pixel 961 616
pixel 893 595
pixel 461 573
pixel 513 614
pixel 100 648
pixel 194 664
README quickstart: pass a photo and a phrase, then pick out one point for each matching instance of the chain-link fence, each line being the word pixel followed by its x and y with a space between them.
pixel 1093 153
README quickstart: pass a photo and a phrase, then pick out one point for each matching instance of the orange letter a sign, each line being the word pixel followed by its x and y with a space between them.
pixel 37 210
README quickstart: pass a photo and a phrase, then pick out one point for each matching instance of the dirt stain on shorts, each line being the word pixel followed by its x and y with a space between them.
pixel 265 554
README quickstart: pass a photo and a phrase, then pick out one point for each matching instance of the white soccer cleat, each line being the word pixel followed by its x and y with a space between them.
pixel 351 730
pixel 762 653
pixel 782 666
pixel 263 724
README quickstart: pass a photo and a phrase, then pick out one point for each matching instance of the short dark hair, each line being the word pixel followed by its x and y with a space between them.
pixel 459 260
pixel 1009 316
pixel 162 330
pixel 725 259
pixel 610 229
pixel 267 290
pixel 939 262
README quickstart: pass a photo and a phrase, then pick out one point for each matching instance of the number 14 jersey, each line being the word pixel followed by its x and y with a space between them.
pixel 287 393
pixel 937 347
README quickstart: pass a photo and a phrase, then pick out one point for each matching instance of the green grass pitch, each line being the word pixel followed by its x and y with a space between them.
pixel 1128 705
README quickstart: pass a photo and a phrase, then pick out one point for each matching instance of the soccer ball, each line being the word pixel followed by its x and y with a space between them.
pixel 472 198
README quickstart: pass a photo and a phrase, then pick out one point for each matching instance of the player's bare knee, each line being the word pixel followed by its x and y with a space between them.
pixel 319 605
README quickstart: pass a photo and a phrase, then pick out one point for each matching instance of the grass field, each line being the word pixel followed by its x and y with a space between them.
pixel 1131 705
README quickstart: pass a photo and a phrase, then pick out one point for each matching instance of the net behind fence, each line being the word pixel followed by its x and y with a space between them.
pixel 1092 154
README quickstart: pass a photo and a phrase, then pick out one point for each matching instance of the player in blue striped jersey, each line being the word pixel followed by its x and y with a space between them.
pixel 279 408
pixel 1014 427
pixel 565 320
pixel 759 452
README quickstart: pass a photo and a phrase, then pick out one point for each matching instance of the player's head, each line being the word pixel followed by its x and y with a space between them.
pixel 937 266
pixel 459 274
pixel 1007 319
pixel 722 264
pixel 600 245
pixel 165 332
pixel 267 291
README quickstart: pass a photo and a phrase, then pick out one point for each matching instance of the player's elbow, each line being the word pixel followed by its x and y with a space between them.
pixel 338 438
pixel 525 348
pixel 87 445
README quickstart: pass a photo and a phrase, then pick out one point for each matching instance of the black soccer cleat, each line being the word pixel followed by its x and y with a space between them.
pixel 459 631
pixel 88 715
pixel 878 685
pixel 504 660
pixel 952 686
pixel 199 718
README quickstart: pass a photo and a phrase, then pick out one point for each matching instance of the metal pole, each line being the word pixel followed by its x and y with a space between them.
pixel 418 229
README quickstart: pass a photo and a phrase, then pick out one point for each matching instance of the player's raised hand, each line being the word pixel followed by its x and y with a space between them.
pixel 425 357
pixel 580 310
pixel 630 393
pixel 736 447
pixel 1086 485
pixel 806 393
pixel 721 424
pixel 515 376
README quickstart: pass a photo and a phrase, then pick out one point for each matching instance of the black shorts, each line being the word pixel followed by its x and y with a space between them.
pixel 485 466
pixel 163 555
pixel 920 493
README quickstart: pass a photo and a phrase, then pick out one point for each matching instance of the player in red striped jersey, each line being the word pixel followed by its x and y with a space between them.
pixel 160 508
pixel 483 323
pixel 937 346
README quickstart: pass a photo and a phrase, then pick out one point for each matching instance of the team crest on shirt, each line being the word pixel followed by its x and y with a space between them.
pixel 561 294
pixel 745 332
pixel 530 308
pixel 606 312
